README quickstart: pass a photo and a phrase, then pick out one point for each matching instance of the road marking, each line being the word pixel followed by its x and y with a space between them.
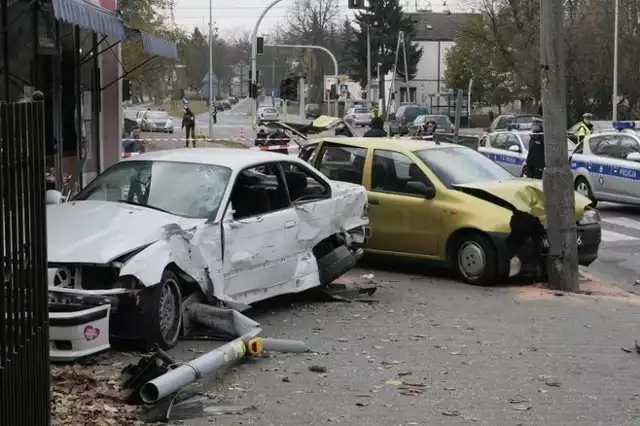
pixel 623 221
pixel 611 237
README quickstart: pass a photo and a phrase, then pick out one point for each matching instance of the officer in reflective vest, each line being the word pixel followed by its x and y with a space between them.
pixel 375 110
pixel 584 129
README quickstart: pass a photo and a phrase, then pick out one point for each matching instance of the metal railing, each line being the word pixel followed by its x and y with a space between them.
pixel 24 330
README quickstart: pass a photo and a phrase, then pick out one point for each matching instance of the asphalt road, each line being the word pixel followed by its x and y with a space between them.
pixel 425 350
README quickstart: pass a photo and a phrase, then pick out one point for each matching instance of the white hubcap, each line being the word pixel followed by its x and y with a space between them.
pixel 471 260
pixel 583 189
pixel 167 311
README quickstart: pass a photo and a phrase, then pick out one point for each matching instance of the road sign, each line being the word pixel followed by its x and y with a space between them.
pixel 273 93
pixel 199 92
pixel 185 101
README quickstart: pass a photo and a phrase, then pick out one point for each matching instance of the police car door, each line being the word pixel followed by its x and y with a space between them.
pixel 507 156
pixel 626 172
pixel 601 163
pixel 491 148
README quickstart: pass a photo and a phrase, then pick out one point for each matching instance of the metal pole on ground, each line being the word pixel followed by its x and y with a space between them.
pixel 210 68
pixel 557 178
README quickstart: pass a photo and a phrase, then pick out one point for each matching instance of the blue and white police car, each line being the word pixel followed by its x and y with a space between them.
pixel 606 165
pixel 509 148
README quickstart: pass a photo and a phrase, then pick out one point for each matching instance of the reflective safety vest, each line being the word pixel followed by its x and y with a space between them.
pixel 375 111
pixel 583 131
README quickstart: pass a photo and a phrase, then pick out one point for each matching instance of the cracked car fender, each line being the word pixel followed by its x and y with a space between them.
pixel 196 251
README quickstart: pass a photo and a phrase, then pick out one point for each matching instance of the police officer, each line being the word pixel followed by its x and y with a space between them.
pixel 584 129
pixel 535 156
pixel 375 110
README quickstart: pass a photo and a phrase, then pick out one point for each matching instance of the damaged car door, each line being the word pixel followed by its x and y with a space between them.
pixel 260 232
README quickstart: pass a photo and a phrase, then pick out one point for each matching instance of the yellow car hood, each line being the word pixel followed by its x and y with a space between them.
pixel 524 194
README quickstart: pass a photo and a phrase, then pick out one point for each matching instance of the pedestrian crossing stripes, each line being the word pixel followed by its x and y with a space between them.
pixel 626 229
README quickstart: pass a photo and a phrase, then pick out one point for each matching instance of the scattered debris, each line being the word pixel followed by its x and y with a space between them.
pixel 390 363
pixel 549 381
pixel 522 407
pixel 451 413
pixel 518 400
pixel 89 394
pixel 626 350
pixel 318 368
pixel 286 379
pixel 637 347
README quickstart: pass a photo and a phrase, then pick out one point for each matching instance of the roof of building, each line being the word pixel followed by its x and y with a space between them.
pixel 233 158
pixel 439 26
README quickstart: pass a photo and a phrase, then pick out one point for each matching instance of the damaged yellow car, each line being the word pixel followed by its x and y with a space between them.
pixel 450 204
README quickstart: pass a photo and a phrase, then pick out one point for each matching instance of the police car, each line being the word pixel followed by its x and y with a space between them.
pixel 509 148
pixel 606 165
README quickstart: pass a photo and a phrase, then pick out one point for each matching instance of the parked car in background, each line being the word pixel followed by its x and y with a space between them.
pixel 233 100
pixel 606 165
pixel 509 148
pixel 403 117
pixel 524 121
pixel 267 114
pixel 359 116
pixel 312 111
pixel 450 204
pixel 226 104
pixel 154 229
pixel 218 104
pixel 156 121
pixel 443 123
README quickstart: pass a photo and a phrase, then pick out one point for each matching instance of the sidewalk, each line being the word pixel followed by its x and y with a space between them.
pixel 467 355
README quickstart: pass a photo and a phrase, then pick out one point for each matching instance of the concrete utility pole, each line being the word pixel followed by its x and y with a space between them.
pixel 210 69
pixel 557 179
pixel 614 97
pixel 369 63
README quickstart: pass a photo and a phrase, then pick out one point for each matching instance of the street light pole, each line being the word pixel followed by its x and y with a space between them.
pixel 210 68
pixel 614 100
pixel 254 55
pixel 369 62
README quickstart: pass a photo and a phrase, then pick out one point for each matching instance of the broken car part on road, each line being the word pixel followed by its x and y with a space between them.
pixel 231 226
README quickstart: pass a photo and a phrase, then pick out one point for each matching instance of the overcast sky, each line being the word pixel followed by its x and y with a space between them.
pixel 238 15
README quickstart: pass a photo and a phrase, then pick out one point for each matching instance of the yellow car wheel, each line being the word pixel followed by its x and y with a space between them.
pixel 474 259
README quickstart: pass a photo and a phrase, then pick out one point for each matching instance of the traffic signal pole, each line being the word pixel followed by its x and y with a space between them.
pixel 254 59
pixel 324 49
pixel 557 178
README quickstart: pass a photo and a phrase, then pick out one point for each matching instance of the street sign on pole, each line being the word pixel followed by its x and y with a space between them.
pixel 185 101
pixel 273 93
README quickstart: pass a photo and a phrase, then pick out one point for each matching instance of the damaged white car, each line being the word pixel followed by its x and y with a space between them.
pixel 233 226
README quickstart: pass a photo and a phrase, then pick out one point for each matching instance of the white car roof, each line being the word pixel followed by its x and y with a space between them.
pixel 234 158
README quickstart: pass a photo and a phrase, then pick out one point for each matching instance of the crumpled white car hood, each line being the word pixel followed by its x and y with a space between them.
pixel 99 231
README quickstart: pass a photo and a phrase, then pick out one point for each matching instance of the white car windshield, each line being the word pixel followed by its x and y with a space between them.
pixel 158 115
pixel 183 189
pixel 460 165
pixel 270 111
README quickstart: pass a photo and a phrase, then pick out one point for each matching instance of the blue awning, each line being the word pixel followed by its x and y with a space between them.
pixel 89 17
pixel 154 45
pixel 159 46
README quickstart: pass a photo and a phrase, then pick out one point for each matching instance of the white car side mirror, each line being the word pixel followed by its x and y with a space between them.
pixel 54 197
pixel 634 156
pixel 514 148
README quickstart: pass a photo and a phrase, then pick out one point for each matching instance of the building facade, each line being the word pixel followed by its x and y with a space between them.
pixel 70 50
pixel 435 33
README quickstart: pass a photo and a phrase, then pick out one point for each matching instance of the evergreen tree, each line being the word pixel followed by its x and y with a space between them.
pixel 386 19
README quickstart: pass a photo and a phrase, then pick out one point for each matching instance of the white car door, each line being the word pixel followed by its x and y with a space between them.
pixel 604 155
pixel 260 236
pixel 625 173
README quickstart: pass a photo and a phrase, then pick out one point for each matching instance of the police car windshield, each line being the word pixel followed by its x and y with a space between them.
pixel 460 165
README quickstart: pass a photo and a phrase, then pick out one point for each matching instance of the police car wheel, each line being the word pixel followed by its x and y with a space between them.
pixel 524 171
pixel 582 187
pixel 474 259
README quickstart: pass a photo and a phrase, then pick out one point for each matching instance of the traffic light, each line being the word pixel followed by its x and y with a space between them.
pixel 356 4
pixel 260 45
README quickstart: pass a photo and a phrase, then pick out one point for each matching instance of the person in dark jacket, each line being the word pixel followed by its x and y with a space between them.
pixel 261 137
pixel 535 156
pixel 377 129
pixel 189 123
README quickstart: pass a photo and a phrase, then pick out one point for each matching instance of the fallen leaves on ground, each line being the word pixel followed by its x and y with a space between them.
pixel 83 396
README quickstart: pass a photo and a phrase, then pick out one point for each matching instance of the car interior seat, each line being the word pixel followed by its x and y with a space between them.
pixel 297 183
pixel 248 201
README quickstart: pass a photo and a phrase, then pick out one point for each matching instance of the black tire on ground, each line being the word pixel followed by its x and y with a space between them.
pixel 161 307
pixel 524 171
pixel 585 187
pixel 474 259
pixel 334 264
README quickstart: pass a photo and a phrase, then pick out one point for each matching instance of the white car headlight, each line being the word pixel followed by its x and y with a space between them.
pixel 590 216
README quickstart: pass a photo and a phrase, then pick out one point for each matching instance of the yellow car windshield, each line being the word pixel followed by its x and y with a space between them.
pixel 461 165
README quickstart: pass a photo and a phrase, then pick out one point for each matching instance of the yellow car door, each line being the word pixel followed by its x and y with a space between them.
pixel 403 212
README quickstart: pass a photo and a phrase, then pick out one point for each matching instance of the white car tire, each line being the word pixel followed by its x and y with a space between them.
pixel 582 187
pixel 162 311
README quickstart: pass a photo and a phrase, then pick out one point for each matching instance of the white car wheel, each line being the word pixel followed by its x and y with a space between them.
pixel 162 311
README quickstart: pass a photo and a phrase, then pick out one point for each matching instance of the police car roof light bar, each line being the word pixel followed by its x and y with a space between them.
pixel 624 125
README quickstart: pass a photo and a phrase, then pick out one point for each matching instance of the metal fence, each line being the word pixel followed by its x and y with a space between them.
pixel 24 330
